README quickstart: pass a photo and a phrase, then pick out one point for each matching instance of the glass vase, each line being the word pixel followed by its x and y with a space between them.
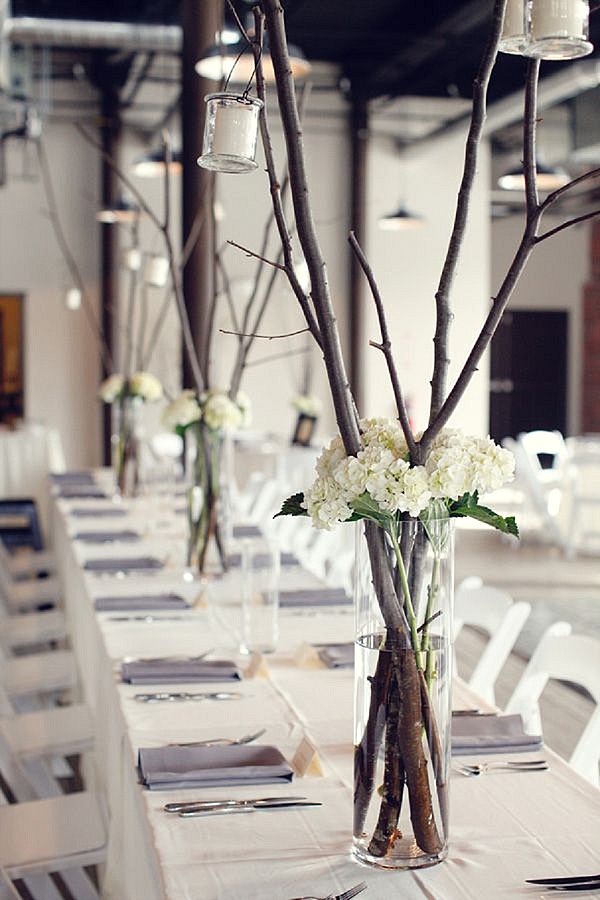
pixel 206 501
pixel 126 441
pixel 403 671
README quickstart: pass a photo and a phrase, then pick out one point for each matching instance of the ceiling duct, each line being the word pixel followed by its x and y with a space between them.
pixel 25 30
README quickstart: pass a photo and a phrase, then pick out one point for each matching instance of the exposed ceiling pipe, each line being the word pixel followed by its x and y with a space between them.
pixel 75 33
pixel 571 81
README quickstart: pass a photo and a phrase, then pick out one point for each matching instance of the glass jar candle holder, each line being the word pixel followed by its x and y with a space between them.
pixel 514 37
pixel 230 133
pixel 156 271
pixel 132 259
pixel 558 29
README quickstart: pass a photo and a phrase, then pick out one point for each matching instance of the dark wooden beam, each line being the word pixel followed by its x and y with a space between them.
pixel 359 137
pixel 200 21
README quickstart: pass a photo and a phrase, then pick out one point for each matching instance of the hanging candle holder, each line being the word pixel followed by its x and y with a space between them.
pixel 558 29
pixel 230 133
pixel 514 37
pixel 156 271
pixel 132 259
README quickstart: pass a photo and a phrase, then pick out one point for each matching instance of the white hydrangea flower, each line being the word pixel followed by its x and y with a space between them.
pixel 459 463
pixel 325 504
pixel 111 388
pixel 308 405
pixel 244 404
pixel 330 457
pixel 219 412
pixel 146 386
pixel 182 411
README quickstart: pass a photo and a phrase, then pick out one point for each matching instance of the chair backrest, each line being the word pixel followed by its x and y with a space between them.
pixel 19 524
pixel 546 444
pixel 495 612
pixel 526 474
pixel 565 657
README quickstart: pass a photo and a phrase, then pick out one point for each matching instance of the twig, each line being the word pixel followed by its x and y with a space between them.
pixel 568 224
pixel 253 255
pixel 442 297
pixel 130 311
pixel 157 328
pixel 386 347
pixel 227 289
pixel 63 244
pixel 555 195
pixel 265 337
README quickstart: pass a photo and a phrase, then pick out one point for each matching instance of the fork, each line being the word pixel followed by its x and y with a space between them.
pixel 345 895
pixel 220 742
pixel 533 765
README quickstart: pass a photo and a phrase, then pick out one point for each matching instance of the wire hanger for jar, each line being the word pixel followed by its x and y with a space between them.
pixel 251 44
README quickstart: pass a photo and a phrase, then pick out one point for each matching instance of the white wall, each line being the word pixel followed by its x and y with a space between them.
pixel 407 265
pixel 61 355
pixel 553 279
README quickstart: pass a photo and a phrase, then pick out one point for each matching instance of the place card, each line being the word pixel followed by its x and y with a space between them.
pixel 306 759
pixel 257 667
pixel 306 657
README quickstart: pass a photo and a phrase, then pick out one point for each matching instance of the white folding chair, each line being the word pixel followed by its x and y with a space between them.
pixel 22 596
pixel 58 834
pixel 567 657
pixel 26 563
pixel 7 889
pixel 583 492
pixel 500 617
pixel 37 673
pixel 32 629
pixel 544 499
pixel 545 443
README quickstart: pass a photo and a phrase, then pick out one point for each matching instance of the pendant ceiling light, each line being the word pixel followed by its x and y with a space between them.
pixel 548 178
pixel 152 165
pixel 401 219
pixel 123 212
pixel 235 62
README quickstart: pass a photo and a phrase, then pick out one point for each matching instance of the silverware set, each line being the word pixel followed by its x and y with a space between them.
pixel 345 895
pixel 568 883
pixel 151 619
pixel 160 659
pixel 176 696
pixel 530 765
pixel 196 808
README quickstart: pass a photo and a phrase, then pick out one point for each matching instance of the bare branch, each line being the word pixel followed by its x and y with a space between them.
pixel 555 195
pixel 529 139
pixel 157 328
pixel 265 337
pixel 576 221
pixel 253 255
pixel 442 297
pixel 386 348
pixel 227 289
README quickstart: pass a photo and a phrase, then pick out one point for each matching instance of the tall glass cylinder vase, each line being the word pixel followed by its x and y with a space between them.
pixel 126 444
pixel 403 671
pixel 207 545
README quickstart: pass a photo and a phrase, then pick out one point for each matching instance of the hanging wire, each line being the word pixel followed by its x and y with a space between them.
pixel 251 44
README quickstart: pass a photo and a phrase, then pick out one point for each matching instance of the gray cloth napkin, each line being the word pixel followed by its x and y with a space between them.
pixel 193 767
pixel 142 602
pixel 72 478
pixel 491 734
pixel 93 512
pixel 336 656
pixel 262 561
pixel 246 531
pixel 71 491
pixel 123 564
pixel 314 597
pixel 177 671
pixel 101 537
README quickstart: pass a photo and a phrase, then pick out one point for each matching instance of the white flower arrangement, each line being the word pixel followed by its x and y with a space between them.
pixel 141 384
pixel 182 411
pixel 219 412
pixel 379 482
pixel 308 405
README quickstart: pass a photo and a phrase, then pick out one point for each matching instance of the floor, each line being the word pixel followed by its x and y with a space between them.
pixel 558 589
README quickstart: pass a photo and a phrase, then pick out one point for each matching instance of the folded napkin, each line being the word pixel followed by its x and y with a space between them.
pixel 246 531
pixel 123 564
pixel 491 734
pixel 101 537
pixel 314 597
pixel 93 512
pixel 262 560
pixel 336 656
pixel 194 767
pixel 72 478
pixel 71 491
pixel 177 671
pixel 135 602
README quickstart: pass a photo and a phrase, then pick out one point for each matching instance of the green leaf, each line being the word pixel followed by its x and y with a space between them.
pixel 364 507
pixel 292 507
pixel 468 506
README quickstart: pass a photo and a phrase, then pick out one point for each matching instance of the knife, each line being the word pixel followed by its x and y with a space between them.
pixel 566 880
pixel 243 807
pixel 184 804
pixel 184 695
pixel 150 618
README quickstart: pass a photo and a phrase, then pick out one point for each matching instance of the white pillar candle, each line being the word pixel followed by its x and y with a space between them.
pixel 156 271
pixel 73 298
pixel 235 131
pixel 132 259
pixel 559 18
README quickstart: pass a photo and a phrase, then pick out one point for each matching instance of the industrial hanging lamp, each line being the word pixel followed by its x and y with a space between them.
pixel 548 178
pixel 123 212
pixel 152 165
pixel 400 220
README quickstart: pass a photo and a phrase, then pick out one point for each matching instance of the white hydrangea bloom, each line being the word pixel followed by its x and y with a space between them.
pixel 308 405
pixel 146 386
pixel 244 404
pixel 182 411
pixel 330 457
pixel 325 504
pixel 219 412
pixel 459 463
pixel 110 388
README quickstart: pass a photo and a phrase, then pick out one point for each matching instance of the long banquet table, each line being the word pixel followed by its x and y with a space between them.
pixel 505 827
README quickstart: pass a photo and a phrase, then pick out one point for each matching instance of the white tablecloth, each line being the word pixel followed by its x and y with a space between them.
pixel 504 827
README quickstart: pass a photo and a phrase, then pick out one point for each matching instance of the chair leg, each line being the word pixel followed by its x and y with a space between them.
pixel 80 884
pixel 41 887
